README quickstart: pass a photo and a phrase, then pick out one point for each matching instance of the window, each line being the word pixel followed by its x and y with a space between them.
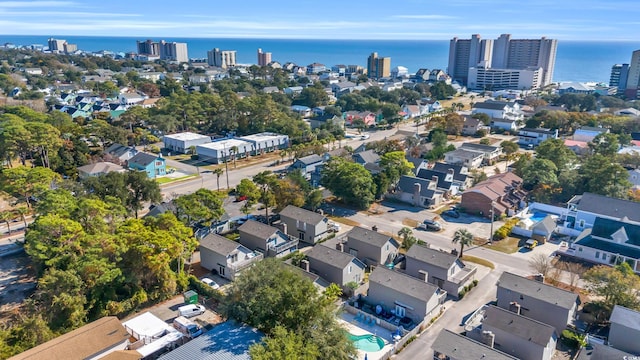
pixel 453 270
pixel 301 235
pixel 387 247
pixel 349 270
pixel 597 254
pixel 581 223
pixel 521 297
pixel 579 248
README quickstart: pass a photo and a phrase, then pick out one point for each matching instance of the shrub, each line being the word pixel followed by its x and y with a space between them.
pixel 461 294
pixel 475 282
pixel 504 230
pixel 572 339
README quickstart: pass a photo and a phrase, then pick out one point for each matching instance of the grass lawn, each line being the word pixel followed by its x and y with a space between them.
pixel 479 261
pixel 166 180
pixel 410 222
pixel 344 220
pixel 507 245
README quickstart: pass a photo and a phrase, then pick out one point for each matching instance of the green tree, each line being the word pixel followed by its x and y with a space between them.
pixel 407 237
pixel 540 172
pixel 28 331
pixel 283 344
pixel 312 96
pixel 266 182
pixel 286 192
pixel 395 164
pixel 555 151
pixel 25 182
pixel 605 144
pixel 509 148
pixel 349 181
pixel 463 237
pixel 602 176
pixel 617 285
pixel 218 172
pixel 314 199
pixel 201 207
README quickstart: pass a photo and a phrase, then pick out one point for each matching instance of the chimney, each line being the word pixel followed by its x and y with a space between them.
pixel 283 227
pixel 433 184
pixel 488 338
pixel 417 187
pixel 340 246
pixel 539 278
pixel 374 228
pixel 320 211
pixel 304 264
pixel 514 307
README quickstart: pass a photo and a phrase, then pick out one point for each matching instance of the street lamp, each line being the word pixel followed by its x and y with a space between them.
pixel 226 163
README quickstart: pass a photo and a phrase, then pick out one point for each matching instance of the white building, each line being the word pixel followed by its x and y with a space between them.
pixel 266 142
pixel 527 136
pixel 180 143
pixel 223 150
pixel 484 78
pixel 221 58
pixel 131 98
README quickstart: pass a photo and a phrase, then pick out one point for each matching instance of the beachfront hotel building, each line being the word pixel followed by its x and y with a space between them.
pixel 378 67
pixel 172 51
pixel 618 78
pixel 515 58
pixel 264 58
pixel 221 58
pixel 633 79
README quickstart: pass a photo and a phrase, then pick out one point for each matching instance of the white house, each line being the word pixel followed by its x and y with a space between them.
pixel 528 136
pixel 266 142
pixel 182 142
pixel 131 98
pixel 588 133
pixel 500 112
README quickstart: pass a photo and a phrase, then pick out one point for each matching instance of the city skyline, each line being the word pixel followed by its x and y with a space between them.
pixel 412 19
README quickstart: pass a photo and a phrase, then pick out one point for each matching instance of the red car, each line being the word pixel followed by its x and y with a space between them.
pixel 241 198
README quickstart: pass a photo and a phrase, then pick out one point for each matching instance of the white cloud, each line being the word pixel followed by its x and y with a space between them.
pixel 34 4
pixel 74 14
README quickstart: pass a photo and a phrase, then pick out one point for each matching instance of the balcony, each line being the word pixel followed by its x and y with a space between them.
pixel 247 260
pixel 282 246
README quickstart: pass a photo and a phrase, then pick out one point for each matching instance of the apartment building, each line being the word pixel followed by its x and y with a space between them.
pixel 378 67
pixel 221 58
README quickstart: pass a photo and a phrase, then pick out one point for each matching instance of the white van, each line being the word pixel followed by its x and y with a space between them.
pixel 190 310
pixel 187 327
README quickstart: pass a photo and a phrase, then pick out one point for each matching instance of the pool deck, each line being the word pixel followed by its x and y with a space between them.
pixel 356 327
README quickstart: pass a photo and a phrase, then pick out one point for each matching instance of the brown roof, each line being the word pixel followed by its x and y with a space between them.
pixel 149 101
pixel 497 186
pixel 123 355
pixel 80 343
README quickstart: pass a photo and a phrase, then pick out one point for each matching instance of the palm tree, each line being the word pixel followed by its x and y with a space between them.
pixel 7 216
pixel 234 150
pixel 218 173
pixel 407 237
pixel 464 237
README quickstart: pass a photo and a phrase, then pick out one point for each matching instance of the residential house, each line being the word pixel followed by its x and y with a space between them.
pixel 451 346
pixel 471 126
pixel 461 178
pixel 335 266
pixel 149 103
pixel 320 283
pixel 270 89
pixel 439 75
pixel 536 300
pixel 595 351
pixel 418 191
pixel 326 120
pixel 634 178
pixel 98 169
pixel 153 165
pixel 499 194
pixel 628 112
pixel 266 239
pixel 445 181
pixel 95 340
pixel 463 157
pixel 225 257
pixel 368 118
pixel 182 143
pixel 517 335
pixel 442 269
pixel 422 75
pixel 588 133
pixel 504 115
pixel 293 90
pixel 491 154
pixel 228 340
pixel 582 210
pixel 130 98
pixel 578 147
pixel 370 246
pixel 528 136
pixel 301 110
pixel 33 71
pixel 308 226
pixel 404 295
pixel 316 68
pixel 610 242
pixel 342 87
pixel 307 164
pixel 413 111
pixel 625 330
pixel 366 157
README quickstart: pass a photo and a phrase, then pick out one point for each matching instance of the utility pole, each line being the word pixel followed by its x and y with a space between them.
pixel 491 233
pixel 226 164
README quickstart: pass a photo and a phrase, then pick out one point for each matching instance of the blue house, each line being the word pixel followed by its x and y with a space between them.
pixel 154 165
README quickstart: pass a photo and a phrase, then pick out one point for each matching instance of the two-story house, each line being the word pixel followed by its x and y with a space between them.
pixel 368 118
pixel 266 239
pixel 588 133
pixel 153 165
pixel 225 257
pixel 370 246
pixel 308 226
pixel 499 194
pixel 447 180
pixel 517 335
pixel 463 157
pixel 442 269
pixel 366 157
pixel 582 210
pixel 536 300
pixel 529 136
pixel 471 126
pixel 307 165
pixel 610 242
pixel 490 153
pixel 504 115
pixel 625 330
pixel 461 178
pixel 418 191
pixel 452 346
pixel 335 266
pixel 119 154
pixel 403 295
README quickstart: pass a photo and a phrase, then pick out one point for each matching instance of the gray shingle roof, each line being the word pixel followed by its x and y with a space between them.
pixel 403 283
pixel 100 167
pixel 407 183
pixel 143 159
pixel 457 170
pixel 539 131
pixel 257 229
pixel 608 206
pixel 461 347
pixel 625 317
pixel 368 156
pixel 465 153
pixel 597 351
pixel 429 174
pixel 434 257
pixel 537 290
pixel 227 341
pixel 518 325
pixel 219 244
pixel 548 224
pixel 368 236
pixel 303 215
pixel 311 159
pixel 118 150
pixel 332 257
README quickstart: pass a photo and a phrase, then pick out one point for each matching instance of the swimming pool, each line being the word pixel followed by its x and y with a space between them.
pixel 368 342
pixel 538 216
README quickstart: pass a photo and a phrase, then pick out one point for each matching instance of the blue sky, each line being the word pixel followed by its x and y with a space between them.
pixel 328 19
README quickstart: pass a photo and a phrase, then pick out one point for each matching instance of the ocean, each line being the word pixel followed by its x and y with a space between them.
pixel 575 60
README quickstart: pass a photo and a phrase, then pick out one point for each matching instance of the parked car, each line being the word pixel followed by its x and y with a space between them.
pixel 191 310
pixel 530 244
pixel 211 283
pixel 451 213
pixel 430 224
pixel 187 327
